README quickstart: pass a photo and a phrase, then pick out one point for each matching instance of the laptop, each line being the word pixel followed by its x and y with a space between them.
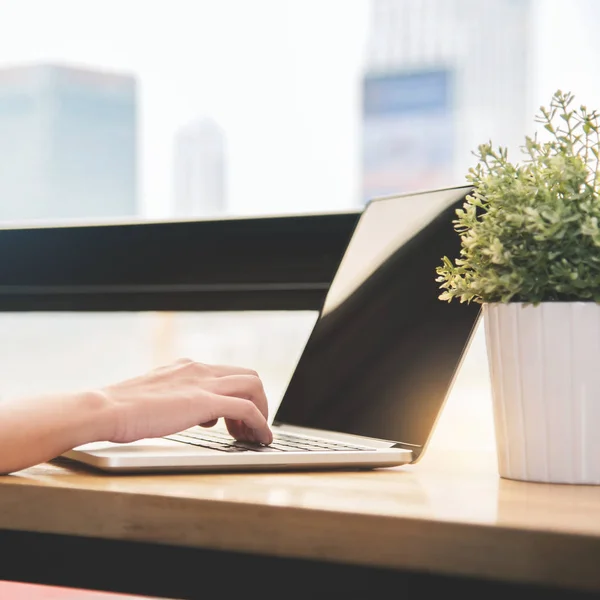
pixel 375 372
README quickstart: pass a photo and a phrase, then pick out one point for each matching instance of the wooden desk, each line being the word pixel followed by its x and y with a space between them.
pixel 448 515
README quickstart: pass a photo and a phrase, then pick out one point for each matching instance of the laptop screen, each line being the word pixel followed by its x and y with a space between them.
pixel 384 351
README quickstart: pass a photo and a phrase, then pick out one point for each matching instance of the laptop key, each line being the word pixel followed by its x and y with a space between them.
pixel 282 442
pixel 257 447
pixel 229 446
pixel 206 443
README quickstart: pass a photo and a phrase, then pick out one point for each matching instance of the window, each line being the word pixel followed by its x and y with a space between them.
pixel 130 109
pixel 56 352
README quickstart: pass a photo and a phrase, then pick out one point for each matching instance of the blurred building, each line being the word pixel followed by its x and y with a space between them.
pixel 67 143
pixel 442 76
pixel 199 170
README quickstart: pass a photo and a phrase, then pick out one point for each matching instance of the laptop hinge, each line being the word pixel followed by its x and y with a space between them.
pixel 415 448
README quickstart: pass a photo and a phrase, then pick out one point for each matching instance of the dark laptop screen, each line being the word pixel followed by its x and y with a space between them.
pixel 384 351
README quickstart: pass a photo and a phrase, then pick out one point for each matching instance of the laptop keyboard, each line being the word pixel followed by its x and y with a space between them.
pixel 282 442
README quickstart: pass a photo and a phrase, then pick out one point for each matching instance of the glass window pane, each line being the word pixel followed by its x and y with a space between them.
pixel 113 110
pixel 56 352
pixel 186 108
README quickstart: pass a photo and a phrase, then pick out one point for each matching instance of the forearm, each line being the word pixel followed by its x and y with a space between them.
pixel 35 430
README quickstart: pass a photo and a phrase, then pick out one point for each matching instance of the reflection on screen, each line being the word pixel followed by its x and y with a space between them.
pixel 382 356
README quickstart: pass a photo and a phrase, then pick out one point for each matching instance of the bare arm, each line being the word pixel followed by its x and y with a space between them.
pixel 161 402
pixel 34 430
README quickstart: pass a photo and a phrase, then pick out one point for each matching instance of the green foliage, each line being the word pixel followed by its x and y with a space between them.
pixel 529 232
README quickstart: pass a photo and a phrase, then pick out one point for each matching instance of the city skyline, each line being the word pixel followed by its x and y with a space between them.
pixel 289 108
pixel 290 114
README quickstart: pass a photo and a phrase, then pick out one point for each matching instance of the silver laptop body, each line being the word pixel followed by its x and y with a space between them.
pixel 376 369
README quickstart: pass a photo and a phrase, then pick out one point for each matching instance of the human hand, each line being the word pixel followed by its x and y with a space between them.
pixel 187 393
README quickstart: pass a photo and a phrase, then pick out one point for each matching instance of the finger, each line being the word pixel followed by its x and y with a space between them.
pixel 239 409
pixel 213 370
pixel 210 423
pixel 243 386
pixel 240 431
pixel 225 370
pixel 217 370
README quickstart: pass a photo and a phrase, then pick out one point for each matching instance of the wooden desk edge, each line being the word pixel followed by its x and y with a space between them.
pixel 442 547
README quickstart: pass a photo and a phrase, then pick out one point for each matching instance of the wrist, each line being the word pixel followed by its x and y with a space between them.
pixel 93 416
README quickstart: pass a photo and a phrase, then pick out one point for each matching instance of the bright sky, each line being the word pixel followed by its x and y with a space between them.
pixel 280 76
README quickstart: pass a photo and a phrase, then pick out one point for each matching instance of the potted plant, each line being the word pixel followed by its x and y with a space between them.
pixel 530 254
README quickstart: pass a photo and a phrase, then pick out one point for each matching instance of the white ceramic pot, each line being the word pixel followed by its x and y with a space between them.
pixel 545 372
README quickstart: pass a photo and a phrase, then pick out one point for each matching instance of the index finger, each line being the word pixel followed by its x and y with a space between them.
pixel 251 423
